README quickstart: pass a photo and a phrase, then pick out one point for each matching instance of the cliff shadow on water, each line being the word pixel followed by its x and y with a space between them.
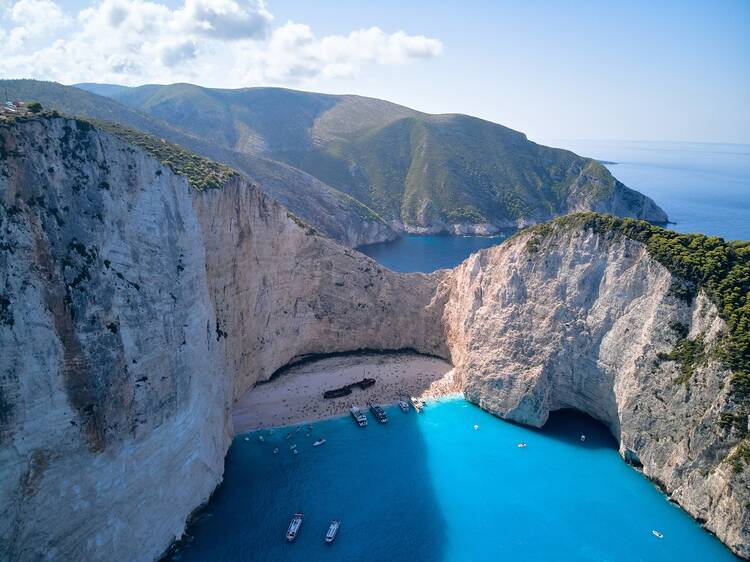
pixel 569 425
pixel 374 480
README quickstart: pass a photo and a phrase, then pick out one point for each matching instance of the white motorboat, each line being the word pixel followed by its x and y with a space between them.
pixel 359 416
pixel 333 530
pixel 417 403
pixel 319 442
pixel 294 526
pixel 404 405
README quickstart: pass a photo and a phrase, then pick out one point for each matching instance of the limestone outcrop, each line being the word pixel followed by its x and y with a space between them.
pixel 585 320
pixel 134 308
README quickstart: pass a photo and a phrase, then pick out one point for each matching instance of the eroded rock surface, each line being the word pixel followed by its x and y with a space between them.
pixel 581 322
pixel 134 309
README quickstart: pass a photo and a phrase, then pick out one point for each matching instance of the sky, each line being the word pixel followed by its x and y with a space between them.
pixel 636 70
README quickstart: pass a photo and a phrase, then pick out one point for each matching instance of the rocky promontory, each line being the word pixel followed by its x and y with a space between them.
pixel 143 289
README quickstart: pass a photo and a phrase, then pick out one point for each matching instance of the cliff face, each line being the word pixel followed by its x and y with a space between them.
pixel 133 308
pixel 585 321
pixel 331 212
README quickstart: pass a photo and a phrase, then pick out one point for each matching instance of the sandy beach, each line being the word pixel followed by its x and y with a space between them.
pixel 296 395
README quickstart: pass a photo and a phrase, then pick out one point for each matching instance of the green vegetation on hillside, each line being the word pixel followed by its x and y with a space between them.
pixel 200 172
pixel 689 354
pixel 721 269
pixel 403 164
pixel 329 210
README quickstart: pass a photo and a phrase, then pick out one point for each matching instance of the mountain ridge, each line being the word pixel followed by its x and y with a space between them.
pixel 420 172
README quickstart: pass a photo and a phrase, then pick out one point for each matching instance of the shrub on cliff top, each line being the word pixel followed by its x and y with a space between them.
pixel 200 172
pixel 721 269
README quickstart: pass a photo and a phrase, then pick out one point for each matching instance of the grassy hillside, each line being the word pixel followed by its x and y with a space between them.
pixel 328 210
pixel 410 166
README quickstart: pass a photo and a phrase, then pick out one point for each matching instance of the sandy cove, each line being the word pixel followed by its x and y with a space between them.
pixel 296 394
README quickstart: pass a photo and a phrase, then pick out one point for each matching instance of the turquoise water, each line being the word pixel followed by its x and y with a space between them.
pixel 703 188
pixel 431 488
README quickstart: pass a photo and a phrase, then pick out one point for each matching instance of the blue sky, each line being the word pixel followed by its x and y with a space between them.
pixel 555 70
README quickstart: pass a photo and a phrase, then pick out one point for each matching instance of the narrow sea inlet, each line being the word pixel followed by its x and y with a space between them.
pixel 431 487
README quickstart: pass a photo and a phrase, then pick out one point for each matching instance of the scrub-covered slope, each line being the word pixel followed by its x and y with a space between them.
pixel 328 210
pixel 423 172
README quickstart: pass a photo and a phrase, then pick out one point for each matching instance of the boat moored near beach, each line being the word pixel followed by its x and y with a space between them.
pixel 359 416
pixel 417 403
pixel 294 526
pixel 379 413
pixel 333 530
pixel 404 405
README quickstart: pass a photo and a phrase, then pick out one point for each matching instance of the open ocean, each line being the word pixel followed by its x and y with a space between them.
pixel 430 488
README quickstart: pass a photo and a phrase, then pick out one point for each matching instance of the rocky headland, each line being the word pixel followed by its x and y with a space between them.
pixel 145 289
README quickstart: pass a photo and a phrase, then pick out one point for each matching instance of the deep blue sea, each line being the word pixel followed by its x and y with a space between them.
pixel 703 188
pixel 431 488
pixel 428 253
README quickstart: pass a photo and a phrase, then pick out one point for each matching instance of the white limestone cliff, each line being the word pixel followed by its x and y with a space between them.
pixel 579 322
pixel 134 309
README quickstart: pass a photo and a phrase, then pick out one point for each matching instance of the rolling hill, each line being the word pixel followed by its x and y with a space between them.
pixel 328 210
pixel 421 172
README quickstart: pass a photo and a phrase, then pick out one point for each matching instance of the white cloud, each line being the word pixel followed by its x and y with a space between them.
pixel 215 42
pixel 226 19
pixel 34 19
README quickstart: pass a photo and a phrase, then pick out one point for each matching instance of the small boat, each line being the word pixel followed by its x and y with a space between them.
pixel 307 434
pixel 296 452
pixel 298 429
pixel 287 436
pixel 359 416
pixel 476 426
pixel 294 526
pixel 583 438
pixel 276 451
pixel 292 447
pixel 260 438
pixel 319 442
pixel 333 530
pixel 247 439
pixel 310 427
pixel 521 445
pixel 417 403
pixel 379 413
pixel 404 405
pixel 657 534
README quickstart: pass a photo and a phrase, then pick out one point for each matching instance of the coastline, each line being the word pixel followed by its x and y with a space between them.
pixel 296 396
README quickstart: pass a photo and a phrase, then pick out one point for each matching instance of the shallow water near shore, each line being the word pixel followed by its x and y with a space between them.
pixel 430 487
